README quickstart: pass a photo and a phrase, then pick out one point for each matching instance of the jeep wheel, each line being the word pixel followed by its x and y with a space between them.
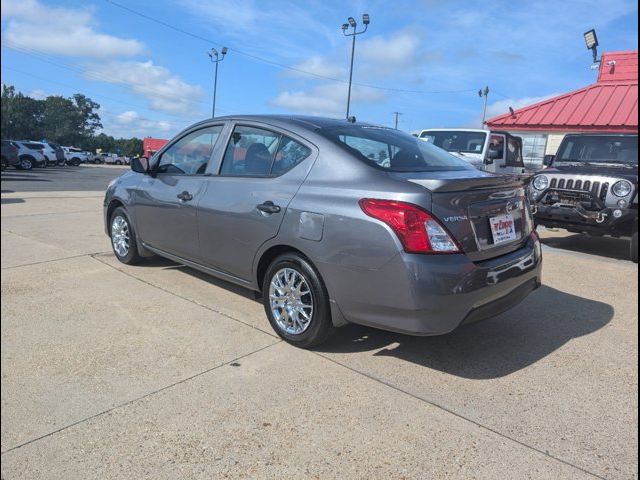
pixel 634 247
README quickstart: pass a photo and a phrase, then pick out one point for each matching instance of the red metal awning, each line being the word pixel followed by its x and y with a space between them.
pixel 609 105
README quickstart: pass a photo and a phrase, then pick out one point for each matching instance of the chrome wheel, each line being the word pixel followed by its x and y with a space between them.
pixel 26 164
pixel 120 235
pixel 291 301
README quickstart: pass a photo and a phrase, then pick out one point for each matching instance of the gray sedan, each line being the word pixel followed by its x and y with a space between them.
pixel 333 222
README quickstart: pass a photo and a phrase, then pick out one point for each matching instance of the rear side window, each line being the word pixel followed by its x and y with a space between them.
pixel 290 153
pixel 255 152
pixel 34 146
pixel 392 150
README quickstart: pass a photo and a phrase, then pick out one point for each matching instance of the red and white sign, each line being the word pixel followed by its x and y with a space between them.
pixel 503 229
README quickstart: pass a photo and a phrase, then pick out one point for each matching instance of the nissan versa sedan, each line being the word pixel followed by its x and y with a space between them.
pixel 333 222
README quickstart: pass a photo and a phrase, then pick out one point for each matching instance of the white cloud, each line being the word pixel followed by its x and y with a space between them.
pixel 132 124
pixel 387 54
pixel 165 91
pixel 60 31
pixel 38 94
pixel 326 99
pixel 320 66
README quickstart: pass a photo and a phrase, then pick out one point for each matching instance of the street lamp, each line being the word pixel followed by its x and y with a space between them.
pixel 484 93
pixel 351 23
pixel 215 59
pixel 591 40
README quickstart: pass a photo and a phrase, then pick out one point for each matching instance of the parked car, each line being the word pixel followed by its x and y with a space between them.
pixel 497 152
pixel 9 154
pixel 104 157
pixel 114 159
pixel 30 154
pixel 74 156
pixel 295 207
pixel 591 186
pixel 52 153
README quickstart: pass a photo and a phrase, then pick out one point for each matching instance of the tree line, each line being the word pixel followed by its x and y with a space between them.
pixel 71 121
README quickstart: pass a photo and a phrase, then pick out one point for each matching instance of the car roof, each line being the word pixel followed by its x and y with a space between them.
pixel 601 134
pixel 454 130
pixel 307 122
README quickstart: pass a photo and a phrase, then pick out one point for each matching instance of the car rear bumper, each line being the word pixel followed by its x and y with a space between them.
pixel 433 295
pixel 11 160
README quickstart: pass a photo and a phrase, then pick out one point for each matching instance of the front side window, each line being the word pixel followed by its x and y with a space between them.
pixel 34 146
pixel 190 155
pixel 496 145
pixel 392 150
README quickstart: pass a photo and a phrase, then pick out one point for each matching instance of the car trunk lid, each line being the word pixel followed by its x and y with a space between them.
pixel 468 203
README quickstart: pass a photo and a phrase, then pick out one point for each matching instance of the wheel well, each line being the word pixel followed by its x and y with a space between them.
pixel 270 255
pixel 112 206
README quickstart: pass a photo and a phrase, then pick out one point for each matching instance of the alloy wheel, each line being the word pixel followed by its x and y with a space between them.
pixel 291 301
pixel 120 235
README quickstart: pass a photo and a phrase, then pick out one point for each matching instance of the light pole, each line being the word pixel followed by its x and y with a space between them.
pixel 484 93
pixel 354 25
pixel 216 58
pixel 396 114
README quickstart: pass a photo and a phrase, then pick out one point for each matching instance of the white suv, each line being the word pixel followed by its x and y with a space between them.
pixel 74 156
pixel 30 155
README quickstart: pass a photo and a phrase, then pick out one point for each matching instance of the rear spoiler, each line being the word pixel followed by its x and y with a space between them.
pixel 476 183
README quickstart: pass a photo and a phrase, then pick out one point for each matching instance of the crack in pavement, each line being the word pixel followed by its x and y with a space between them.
pixel 462 417
pixel 142 397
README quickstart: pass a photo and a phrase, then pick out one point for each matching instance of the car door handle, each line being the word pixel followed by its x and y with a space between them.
pixel 268 207
pixel 185 196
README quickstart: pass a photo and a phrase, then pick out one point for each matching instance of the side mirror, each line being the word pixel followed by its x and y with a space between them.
pixel 548 160
pixel 140 165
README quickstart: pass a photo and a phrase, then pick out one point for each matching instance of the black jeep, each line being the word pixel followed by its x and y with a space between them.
pixel 591 186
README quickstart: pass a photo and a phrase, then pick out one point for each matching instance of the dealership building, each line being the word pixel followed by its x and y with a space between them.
pixel 608 106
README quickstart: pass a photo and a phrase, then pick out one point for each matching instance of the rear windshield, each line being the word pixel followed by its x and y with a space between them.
pixel 456 141
pixel 599 149
pixel 392 150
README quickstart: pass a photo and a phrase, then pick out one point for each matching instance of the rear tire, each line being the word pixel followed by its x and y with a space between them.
pixel 634 247
pixel 282 305
pixel 123 237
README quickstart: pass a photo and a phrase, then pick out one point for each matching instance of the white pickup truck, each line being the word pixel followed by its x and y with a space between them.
pixel 497 152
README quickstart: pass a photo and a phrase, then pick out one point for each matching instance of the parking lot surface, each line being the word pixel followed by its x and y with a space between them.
pixel 158 371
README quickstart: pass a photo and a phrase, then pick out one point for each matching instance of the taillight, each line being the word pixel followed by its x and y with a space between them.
pixel 418 230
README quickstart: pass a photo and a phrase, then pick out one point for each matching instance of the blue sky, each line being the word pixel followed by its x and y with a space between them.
pixel 424 58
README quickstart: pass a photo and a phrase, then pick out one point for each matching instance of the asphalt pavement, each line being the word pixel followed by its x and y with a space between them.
pixel 158 371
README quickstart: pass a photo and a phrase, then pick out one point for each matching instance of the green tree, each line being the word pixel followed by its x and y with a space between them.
pixel 22 117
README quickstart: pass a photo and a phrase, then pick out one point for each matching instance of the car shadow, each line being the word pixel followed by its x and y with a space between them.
pixel 615 248
pixel 166 264
pixel 544 322
pixel 6 201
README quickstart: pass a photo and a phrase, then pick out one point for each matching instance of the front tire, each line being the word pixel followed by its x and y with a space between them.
pixel 296 301
pixel 123 237
pixel 26 163
pixel 634 247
